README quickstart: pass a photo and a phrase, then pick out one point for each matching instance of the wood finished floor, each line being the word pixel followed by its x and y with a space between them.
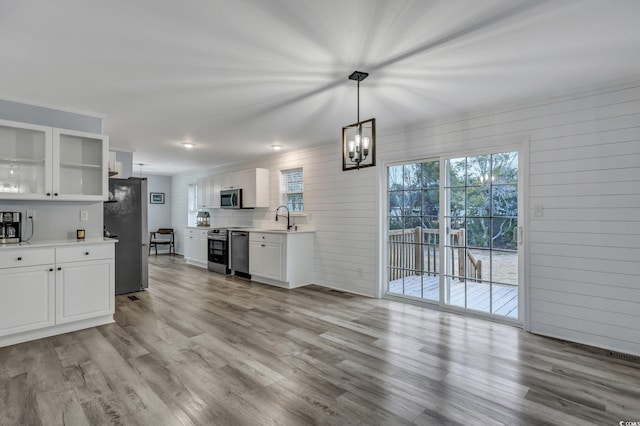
pixel 198 348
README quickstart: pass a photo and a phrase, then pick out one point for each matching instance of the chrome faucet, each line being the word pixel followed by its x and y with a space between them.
pixel 289 226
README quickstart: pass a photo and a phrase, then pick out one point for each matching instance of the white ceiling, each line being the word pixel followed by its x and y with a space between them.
pixel 237 76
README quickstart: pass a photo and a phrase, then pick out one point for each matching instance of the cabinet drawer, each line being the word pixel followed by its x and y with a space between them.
pixel 26 257
pixel 81 253
pixel 197 233
pixel 200 233
pixel 266 237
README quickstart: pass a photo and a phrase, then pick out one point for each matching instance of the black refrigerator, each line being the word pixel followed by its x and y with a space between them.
pixel 125 217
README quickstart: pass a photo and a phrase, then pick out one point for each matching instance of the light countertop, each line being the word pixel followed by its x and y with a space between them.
pixel 57 243
pixel 273 231
pixel 250 229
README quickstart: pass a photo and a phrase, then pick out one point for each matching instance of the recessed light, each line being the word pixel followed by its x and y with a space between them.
pixel 276 147
pixel 188 145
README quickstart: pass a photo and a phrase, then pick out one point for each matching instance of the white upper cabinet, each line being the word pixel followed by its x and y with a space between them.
pixel 205 194
pixel 208 192
pixel 233 180
pixel 80 163
pixel 254 184
pixel 215 185
pixel 44 163
pixel 25 161
pixel 255 192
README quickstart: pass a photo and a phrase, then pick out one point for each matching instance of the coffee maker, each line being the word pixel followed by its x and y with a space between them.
pixel 10 227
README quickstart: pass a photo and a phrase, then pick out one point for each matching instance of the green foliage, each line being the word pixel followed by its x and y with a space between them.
pixel 483 194
pixel 484 190
pixel 414 198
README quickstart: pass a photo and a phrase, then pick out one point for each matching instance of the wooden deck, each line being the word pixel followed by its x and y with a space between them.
pixel 504 301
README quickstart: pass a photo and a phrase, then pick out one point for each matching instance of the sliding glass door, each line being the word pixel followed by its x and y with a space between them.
pixel 453 232
pixel 481 247
pixel 413 231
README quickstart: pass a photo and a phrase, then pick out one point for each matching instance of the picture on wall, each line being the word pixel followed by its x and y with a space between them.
pixel 156 197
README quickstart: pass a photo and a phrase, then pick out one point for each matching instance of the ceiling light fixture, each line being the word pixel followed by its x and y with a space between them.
pixel 188 145
pixel 276 147
pixel 359 139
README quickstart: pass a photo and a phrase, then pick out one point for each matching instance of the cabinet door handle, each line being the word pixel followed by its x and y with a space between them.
pixel 55 193
pixel 262 245
pixel 86 253
pixel 19 258
pixel 59 269
pixel 50 269
pixel 48 194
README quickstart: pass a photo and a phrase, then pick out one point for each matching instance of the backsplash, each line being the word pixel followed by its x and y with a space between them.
pixel 256 218
pixel 221 218
pixel 57 220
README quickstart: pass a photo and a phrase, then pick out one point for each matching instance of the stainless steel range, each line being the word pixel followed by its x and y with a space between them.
pixel 218 251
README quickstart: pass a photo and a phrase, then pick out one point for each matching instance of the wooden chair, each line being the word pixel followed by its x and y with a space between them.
pixel 155 241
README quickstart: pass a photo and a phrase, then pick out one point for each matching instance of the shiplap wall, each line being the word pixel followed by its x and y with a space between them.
pixel 583 263
pixel 585 249
pixel 342 207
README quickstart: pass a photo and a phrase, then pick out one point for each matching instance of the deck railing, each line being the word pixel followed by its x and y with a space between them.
pixel 415 251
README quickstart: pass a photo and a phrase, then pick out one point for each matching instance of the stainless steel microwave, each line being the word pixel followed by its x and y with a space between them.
pixel 231 199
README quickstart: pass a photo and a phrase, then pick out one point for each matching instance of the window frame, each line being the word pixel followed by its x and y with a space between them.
pixel 192 191
pixel 283 189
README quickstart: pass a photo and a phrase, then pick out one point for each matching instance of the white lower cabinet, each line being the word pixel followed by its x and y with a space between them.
pixel 188 246
pixel 28 298
pixel 79 298
pixel 267 260
pixel 196 246
pixel 60 289
pixel 281 259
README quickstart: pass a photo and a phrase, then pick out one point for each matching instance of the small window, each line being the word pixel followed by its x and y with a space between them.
pixel 292 189
pixel 192 202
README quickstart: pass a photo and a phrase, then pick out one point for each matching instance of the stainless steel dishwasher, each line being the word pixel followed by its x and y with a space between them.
pixel 240 253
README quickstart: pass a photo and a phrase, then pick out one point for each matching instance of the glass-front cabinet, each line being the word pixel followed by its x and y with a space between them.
pixel 80 165
pixel 25 161
pixel 44 163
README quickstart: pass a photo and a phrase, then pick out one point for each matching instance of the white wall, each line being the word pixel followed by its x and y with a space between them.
pixel 584 169
pixel 57 220
pixel 343 208
pixel 583 268
pixel 159 215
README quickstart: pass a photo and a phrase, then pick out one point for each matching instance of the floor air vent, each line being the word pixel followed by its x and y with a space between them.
pixel 133 298
pixel 625 357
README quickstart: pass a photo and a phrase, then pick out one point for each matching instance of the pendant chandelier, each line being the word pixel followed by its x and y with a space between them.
pixel 359 139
